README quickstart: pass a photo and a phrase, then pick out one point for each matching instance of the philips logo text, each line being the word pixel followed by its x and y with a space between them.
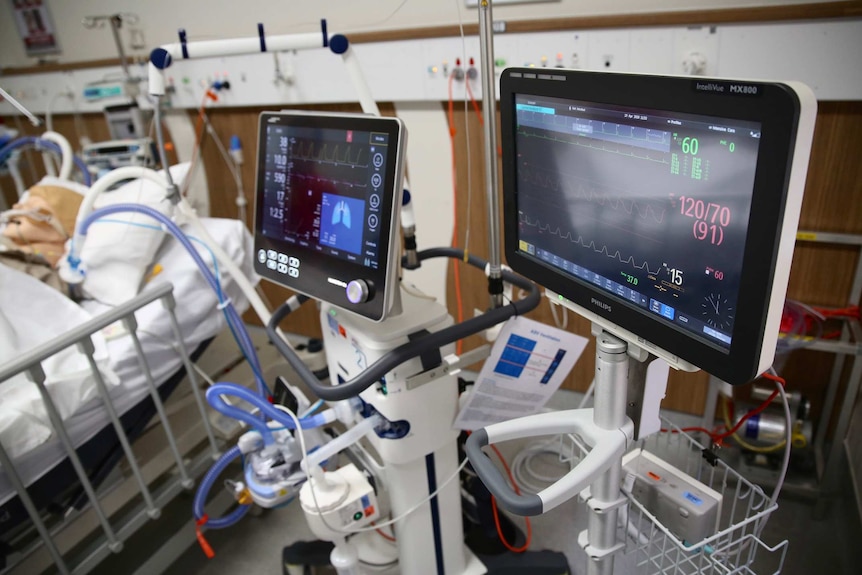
pixel 601 304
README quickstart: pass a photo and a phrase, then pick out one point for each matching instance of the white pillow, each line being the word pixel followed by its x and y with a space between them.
pixel 116 256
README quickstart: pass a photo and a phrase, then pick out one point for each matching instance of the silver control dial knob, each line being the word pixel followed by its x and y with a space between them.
pixel 358 291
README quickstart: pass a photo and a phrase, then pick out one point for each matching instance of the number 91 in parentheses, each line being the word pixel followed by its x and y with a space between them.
pixel 703 231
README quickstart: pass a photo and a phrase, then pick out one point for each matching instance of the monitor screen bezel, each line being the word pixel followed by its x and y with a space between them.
pixel 774 106
pixel 322 276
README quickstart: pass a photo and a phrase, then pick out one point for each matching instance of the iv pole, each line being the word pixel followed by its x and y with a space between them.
pixel 489 117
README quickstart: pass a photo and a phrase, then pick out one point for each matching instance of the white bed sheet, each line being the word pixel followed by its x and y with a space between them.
pixel 199 320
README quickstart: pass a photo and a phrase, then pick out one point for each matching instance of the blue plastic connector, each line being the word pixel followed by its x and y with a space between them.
pixel 339 44
pixel 160 58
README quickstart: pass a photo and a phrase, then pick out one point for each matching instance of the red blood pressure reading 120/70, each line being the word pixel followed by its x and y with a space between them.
pixel 710 219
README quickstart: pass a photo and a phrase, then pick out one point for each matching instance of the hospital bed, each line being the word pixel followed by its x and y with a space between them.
pixel 146 343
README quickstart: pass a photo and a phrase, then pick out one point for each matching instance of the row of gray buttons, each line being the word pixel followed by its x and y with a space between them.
pixel 282 263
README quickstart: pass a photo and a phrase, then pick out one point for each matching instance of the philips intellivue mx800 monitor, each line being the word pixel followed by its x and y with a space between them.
pixel 664 209
pixel 326 207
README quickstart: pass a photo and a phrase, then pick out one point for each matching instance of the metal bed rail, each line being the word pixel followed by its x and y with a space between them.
pixel 31 364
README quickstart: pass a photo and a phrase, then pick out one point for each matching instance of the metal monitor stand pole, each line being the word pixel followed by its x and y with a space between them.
pixel 489 116
pixel 611 390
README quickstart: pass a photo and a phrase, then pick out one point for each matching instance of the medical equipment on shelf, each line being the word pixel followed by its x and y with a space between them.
pixel 762 438
pixel 126 121
pixel 664 210
pixel 105 156
pixel 687 507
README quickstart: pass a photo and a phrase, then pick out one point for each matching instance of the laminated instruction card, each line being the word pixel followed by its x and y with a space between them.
pixel 528 363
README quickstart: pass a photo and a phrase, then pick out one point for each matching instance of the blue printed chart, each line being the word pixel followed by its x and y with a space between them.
pixel 527 365
pixel 520 354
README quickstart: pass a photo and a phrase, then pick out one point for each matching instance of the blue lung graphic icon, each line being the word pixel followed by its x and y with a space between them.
pixel 341 214
pixel 337 214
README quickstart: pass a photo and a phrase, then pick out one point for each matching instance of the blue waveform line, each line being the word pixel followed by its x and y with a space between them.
pixel 589 245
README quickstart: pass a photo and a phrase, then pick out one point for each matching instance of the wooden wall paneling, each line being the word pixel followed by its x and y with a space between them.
pixel 834 186
pixel 822 274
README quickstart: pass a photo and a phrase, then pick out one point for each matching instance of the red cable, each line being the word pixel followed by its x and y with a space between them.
pixel 718 437
pixel 202 541
pixel 383 533
pixel 756 410
pixel 475 103
pixel 497 517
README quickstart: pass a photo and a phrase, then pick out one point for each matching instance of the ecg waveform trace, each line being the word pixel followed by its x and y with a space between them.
pixel 334 182
pixel 628 131
pixel 522 131
pixel 306 151
pixel 590 192
pixel 591 245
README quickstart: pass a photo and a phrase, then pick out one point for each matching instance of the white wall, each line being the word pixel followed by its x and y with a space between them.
pixel 206 19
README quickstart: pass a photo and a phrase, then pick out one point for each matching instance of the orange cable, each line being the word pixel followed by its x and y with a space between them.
pixel 474 102
pixel 529 540
pixel 199 127
pixel 383 533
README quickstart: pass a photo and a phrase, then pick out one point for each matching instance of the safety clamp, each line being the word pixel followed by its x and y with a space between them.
pixel 599 506
pixel 594 553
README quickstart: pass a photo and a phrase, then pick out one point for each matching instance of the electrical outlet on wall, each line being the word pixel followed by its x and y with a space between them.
pixel 608 50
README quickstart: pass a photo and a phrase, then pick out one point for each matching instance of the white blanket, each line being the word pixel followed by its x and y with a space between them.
pixel 37 313
pixel 31 314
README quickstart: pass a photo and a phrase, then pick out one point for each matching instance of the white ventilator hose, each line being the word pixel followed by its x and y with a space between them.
pixel 346 439
pixel 225 261
pixel 66 149
pixel 66 165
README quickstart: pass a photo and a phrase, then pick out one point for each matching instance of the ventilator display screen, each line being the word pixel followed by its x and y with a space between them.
pixel 322 190
pixel 326 206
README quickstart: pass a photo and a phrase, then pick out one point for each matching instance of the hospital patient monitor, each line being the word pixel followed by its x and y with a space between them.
pixel 663 209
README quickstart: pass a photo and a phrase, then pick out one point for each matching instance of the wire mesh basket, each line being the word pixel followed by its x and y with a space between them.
pixel 736 547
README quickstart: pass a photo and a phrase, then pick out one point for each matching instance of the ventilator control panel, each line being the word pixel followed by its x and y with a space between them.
pixel 328 191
